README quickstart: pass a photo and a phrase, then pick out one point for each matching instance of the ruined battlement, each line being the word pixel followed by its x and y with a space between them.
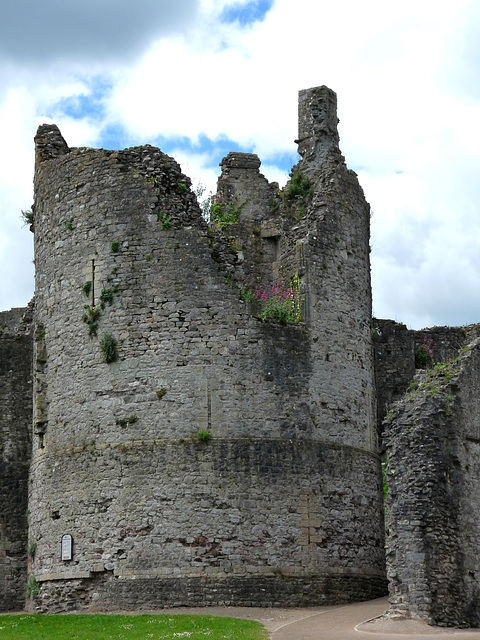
pixel 204 453
pixel 317 124
pixel 200 425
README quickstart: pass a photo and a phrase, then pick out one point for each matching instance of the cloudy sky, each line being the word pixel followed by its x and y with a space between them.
pixel 200 78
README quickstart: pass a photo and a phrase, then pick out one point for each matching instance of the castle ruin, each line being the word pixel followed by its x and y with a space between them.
pixel 184 448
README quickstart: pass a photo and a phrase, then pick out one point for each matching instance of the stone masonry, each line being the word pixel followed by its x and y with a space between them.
pixel 217 458
pixel 429 437
pixel 433 533
pixel 396 357
pixel 182 450
pixel 15 445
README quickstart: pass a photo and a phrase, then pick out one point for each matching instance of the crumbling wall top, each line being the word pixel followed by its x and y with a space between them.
pixel 317 123
pixel 17 320
pixel 238 160
pixel 49 143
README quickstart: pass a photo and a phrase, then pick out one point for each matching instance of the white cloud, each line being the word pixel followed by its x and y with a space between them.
pixel 409 106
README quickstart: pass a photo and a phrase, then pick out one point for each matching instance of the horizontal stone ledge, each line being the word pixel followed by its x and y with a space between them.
pixel 217 572
pixel 67 575
pixel 220 572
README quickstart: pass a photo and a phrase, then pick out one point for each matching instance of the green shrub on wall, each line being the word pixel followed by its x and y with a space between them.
pixel 275 303
pixel 108 344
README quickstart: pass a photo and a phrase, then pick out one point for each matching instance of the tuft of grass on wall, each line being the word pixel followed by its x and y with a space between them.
pixel 108 345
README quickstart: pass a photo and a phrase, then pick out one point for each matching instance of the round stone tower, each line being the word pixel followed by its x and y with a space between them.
pixel 185 451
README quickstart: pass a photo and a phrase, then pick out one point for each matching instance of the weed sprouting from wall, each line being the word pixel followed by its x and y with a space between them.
pixel 27 216
pixel 87 287
pixel 33 587
pixel 90 317
pixel 299 185
pixel 435 378
pixel 385 483
pixel 165 218
pixel 92 314
pixel 424 354
pixel 106 295
pixel 205 202
pixel 108 345
pixel 275 303
pixel 223 213
pixel 31 549
pixel 124 422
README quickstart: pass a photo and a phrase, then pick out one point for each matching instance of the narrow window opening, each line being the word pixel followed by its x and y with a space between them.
pixel 93 283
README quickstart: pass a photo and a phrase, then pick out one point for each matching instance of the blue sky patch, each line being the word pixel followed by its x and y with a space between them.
pixel 116 137
pixel 284 161
pixel 85 105
pixel 245 14
pixel 217 148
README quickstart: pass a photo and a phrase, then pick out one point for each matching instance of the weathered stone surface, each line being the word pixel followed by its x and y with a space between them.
pixel 207 520
pixel 280 504
pixel 395 349
pixel 285 496
pixel 15 420
pixel 49 143
pixel 317 123
pixel 433 532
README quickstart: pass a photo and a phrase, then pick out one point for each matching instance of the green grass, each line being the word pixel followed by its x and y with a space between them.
pixel 121 627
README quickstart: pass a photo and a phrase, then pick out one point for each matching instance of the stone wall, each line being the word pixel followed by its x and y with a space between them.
pixel 396 359
pixel 15 426
pixel 433 532
pixel 242 522
pixel 218 458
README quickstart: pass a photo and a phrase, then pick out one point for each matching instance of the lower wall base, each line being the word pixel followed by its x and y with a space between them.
pixel 113 594
pixel 463 614
pixel 12 597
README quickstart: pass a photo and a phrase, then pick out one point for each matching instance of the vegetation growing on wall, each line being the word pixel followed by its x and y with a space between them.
pixel 385 483
pixel 27 216
pixel 165 218
pixel 299 185
pixel 203 435
pixel 108 345
pixel 124 422
pixel 90 317
pixel 275 303
pixel 92 313
pixel 33 587
pixel 87 287
pixel 221 213
pixel 424 354
pixel 107 295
